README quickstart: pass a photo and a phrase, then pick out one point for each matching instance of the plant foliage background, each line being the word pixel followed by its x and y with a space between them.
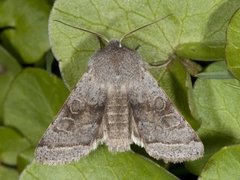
pixel 200 40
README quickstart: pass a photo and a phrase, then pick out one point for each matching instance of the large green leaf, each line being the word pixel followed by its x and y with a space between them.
pixel 191 22
pixel 25 28
pixel 8 173
pixel 217 106
pixel 8 70
pixel 100 164
pixel 11 144
pixel 33 101
pixel 233 45
pixel 224 164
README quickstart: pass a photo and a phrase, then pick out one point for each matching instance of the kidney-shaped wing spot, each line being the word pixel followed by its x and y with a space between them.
pixel 77 106
pixel 169 121
pixel 160 127
pixel 66 124
pixel 77 128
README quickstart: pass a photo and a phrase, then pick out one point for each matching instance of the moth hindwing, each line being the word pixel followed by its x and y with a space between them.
pixel 118 102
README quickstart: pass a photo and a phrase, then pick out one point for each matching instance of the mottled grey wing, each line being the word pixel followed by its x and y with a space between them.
pixel 77 128
pixel 158 126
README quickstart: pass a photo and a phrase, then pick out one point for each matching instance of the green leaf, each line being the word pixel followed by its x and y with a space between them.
pixel 25 158
pixel 224 164
pixel 173 79
pixel 100 164
pixel 8 173
pixel 33 101
pixel 11 144
pixel 233 45
pixel 201 51
pixel 217 106
pixel 8 70
pixel 25 29
pixel 191 21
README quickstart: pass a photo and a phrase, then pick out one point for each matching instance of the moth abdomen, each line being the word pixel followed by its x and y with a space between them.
pixel 117 119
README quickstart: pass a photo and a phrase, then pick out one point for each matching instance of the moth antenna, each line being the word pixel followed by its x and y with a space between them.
pixel 141 27
pixel 85 30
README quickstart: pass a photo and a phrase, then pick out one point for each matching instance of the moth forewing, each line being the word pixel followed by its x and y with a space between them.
pixel 77 128
pixel 162 130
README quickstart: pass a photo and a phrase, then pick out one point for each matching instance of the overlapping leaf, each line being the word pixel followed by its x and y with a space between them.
pixel 216 105
pixel 225 164
pixel 8 173
pixel 8 70
pixel 33 100
pixel 11 144
pixel 24 24
pixel 233 45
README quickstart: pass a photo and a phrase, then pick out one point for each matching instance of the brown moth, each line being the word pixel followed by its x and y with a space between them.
pixel 118 102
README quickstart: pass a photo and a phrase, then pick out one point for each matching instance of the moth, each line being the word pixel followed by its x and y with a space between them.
pixel 118 102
